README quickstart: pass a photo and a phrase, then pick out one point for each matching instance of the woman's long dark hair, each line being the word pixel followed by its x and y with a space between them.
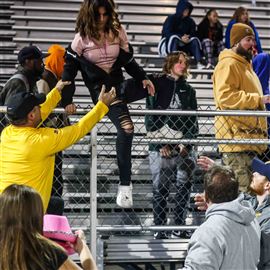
pixel 205 18
pixel 21 223
pixel 237 14
pixel 86 23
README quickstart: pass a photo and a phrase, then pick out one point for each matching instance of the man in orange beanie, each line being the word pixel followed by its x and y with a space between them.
pixel 237 87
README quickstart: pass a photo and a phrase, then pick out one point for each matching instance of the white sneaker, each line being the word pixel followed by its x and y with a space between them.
pixel 200 66
pixel 165 132
pixel 124 196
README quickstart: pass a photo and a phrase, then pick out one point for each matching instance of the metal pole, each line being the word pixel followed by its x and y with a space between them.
pixel 93 193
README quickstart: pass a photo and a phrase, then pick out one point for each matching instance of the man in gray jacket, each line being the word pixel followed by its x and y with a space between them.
pixel 260 185
pixel 229 239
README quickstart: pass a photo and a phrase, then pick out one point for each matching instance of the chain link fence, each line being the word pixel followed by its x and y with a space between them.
pixel 163 188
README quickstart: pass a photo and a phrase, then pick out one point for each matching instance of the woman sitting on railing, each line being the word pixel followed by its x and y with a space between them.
pixel 100 49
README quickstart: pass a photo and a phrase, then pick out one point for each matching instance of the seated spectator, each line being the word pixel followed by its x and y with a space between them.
pixel 210 33
pixel 172 163
pixel 230 236
pixel 179 33
pixel 22 244
pixel 241 16
pixel 28 151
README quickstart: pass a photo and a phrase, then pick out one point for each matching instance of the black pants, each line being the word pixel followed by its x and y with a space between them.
pixel 129 91
pixel 58 182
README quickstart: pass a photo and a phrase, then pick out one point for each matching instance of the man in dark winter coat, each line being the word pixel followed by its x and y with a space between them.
pixel 24 80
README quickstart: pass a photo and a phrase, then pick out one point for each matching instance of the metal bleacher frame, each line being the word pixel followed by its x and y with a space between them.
pixel 127 253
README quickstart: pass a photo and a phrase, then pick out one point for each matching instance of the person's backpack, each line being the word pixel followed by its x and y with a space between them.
pixel 3 94
pixel 3 91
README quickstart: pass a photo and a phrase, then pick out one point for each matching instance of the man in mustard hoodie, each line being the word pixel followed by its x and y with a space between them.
pixel 237 87
pixel 27 151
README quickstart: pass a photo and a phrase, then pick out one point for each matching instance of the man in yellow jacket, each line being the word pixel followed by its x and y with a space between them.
pixel 237 87
pixel 27 152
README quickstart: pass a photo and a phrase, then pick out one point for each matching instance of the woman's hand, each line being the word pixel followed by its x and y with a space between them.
pixel 81 241
pixel 150 87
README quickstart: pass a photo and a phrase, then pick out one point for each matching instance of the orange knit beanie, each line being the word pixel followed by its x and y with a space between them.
pixel 55 61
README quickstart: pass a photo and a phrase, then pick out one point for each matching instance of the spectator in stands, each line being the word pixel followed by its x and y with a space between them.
pixel 100 49
pixel 237 87
pixel 210 33
pixel 261 66
pixel 241 16
pixel 30 68
pixel 230 236
pixel 179 33
pixel 22 244
pixel 260 186
pixel 54 67
pixel 172 163
pixel 27 151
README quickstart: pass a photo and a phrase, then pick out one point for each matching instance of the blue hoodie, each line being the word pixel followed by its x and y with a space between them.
pixel 228 32
pixel 261 66
pixel 176 25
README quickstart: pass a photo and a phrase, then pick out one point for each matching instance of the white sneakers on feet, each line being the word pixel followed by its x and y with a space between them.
pixel 124 196
pixel 165 132
pixel 200 66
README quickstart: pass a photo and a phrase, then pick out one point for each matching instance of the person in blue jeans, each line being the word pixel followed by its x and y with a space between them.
pixel 172 163
pixel 179 33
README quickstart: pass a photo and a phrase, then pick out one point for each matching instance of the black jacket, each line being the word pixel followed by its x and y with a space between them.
pixel 177 25
pixel 15 86
pixel 204 28
pixel 94 76
pixel 166 90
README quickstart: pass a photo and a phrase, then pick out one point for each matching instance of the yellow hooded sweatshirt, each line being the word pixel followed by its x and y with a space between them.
pixel 237 87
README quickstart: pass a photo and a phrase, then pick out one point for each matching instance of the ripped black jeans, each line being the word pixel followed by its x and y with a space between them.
pixel 120 117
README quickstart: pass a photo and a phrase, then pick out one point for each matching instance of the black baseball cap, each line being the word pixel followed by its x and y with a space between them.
pixel 31 52
pixel 19 105
pixel 262 168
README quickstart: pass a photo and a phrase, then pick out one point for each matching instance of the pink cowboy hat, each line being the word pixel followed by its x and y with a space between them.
pixel 57 228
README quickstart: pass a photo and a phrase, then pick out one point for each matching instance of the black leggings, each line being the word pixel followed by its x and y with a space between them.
pixel 131 90
pixel 119 115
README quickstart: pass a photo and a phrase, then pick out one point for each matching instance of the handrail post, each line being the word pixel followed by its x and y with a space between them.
pixel 93 193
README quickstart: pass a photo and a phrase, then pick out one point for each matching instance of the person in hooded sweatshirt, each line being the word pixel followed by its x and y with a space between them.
pixel 179 33
pixel 261 66
pixel 237 87
pixel 229 239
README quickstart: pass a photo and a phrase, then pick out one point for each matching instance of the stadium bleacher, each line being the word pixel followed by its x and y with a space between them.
pixel 52 21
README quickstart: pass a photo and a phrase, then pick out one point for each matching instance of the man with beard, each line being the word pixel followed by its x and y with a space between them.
pixel 29 72
pixel 260 187
pixel 237 87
